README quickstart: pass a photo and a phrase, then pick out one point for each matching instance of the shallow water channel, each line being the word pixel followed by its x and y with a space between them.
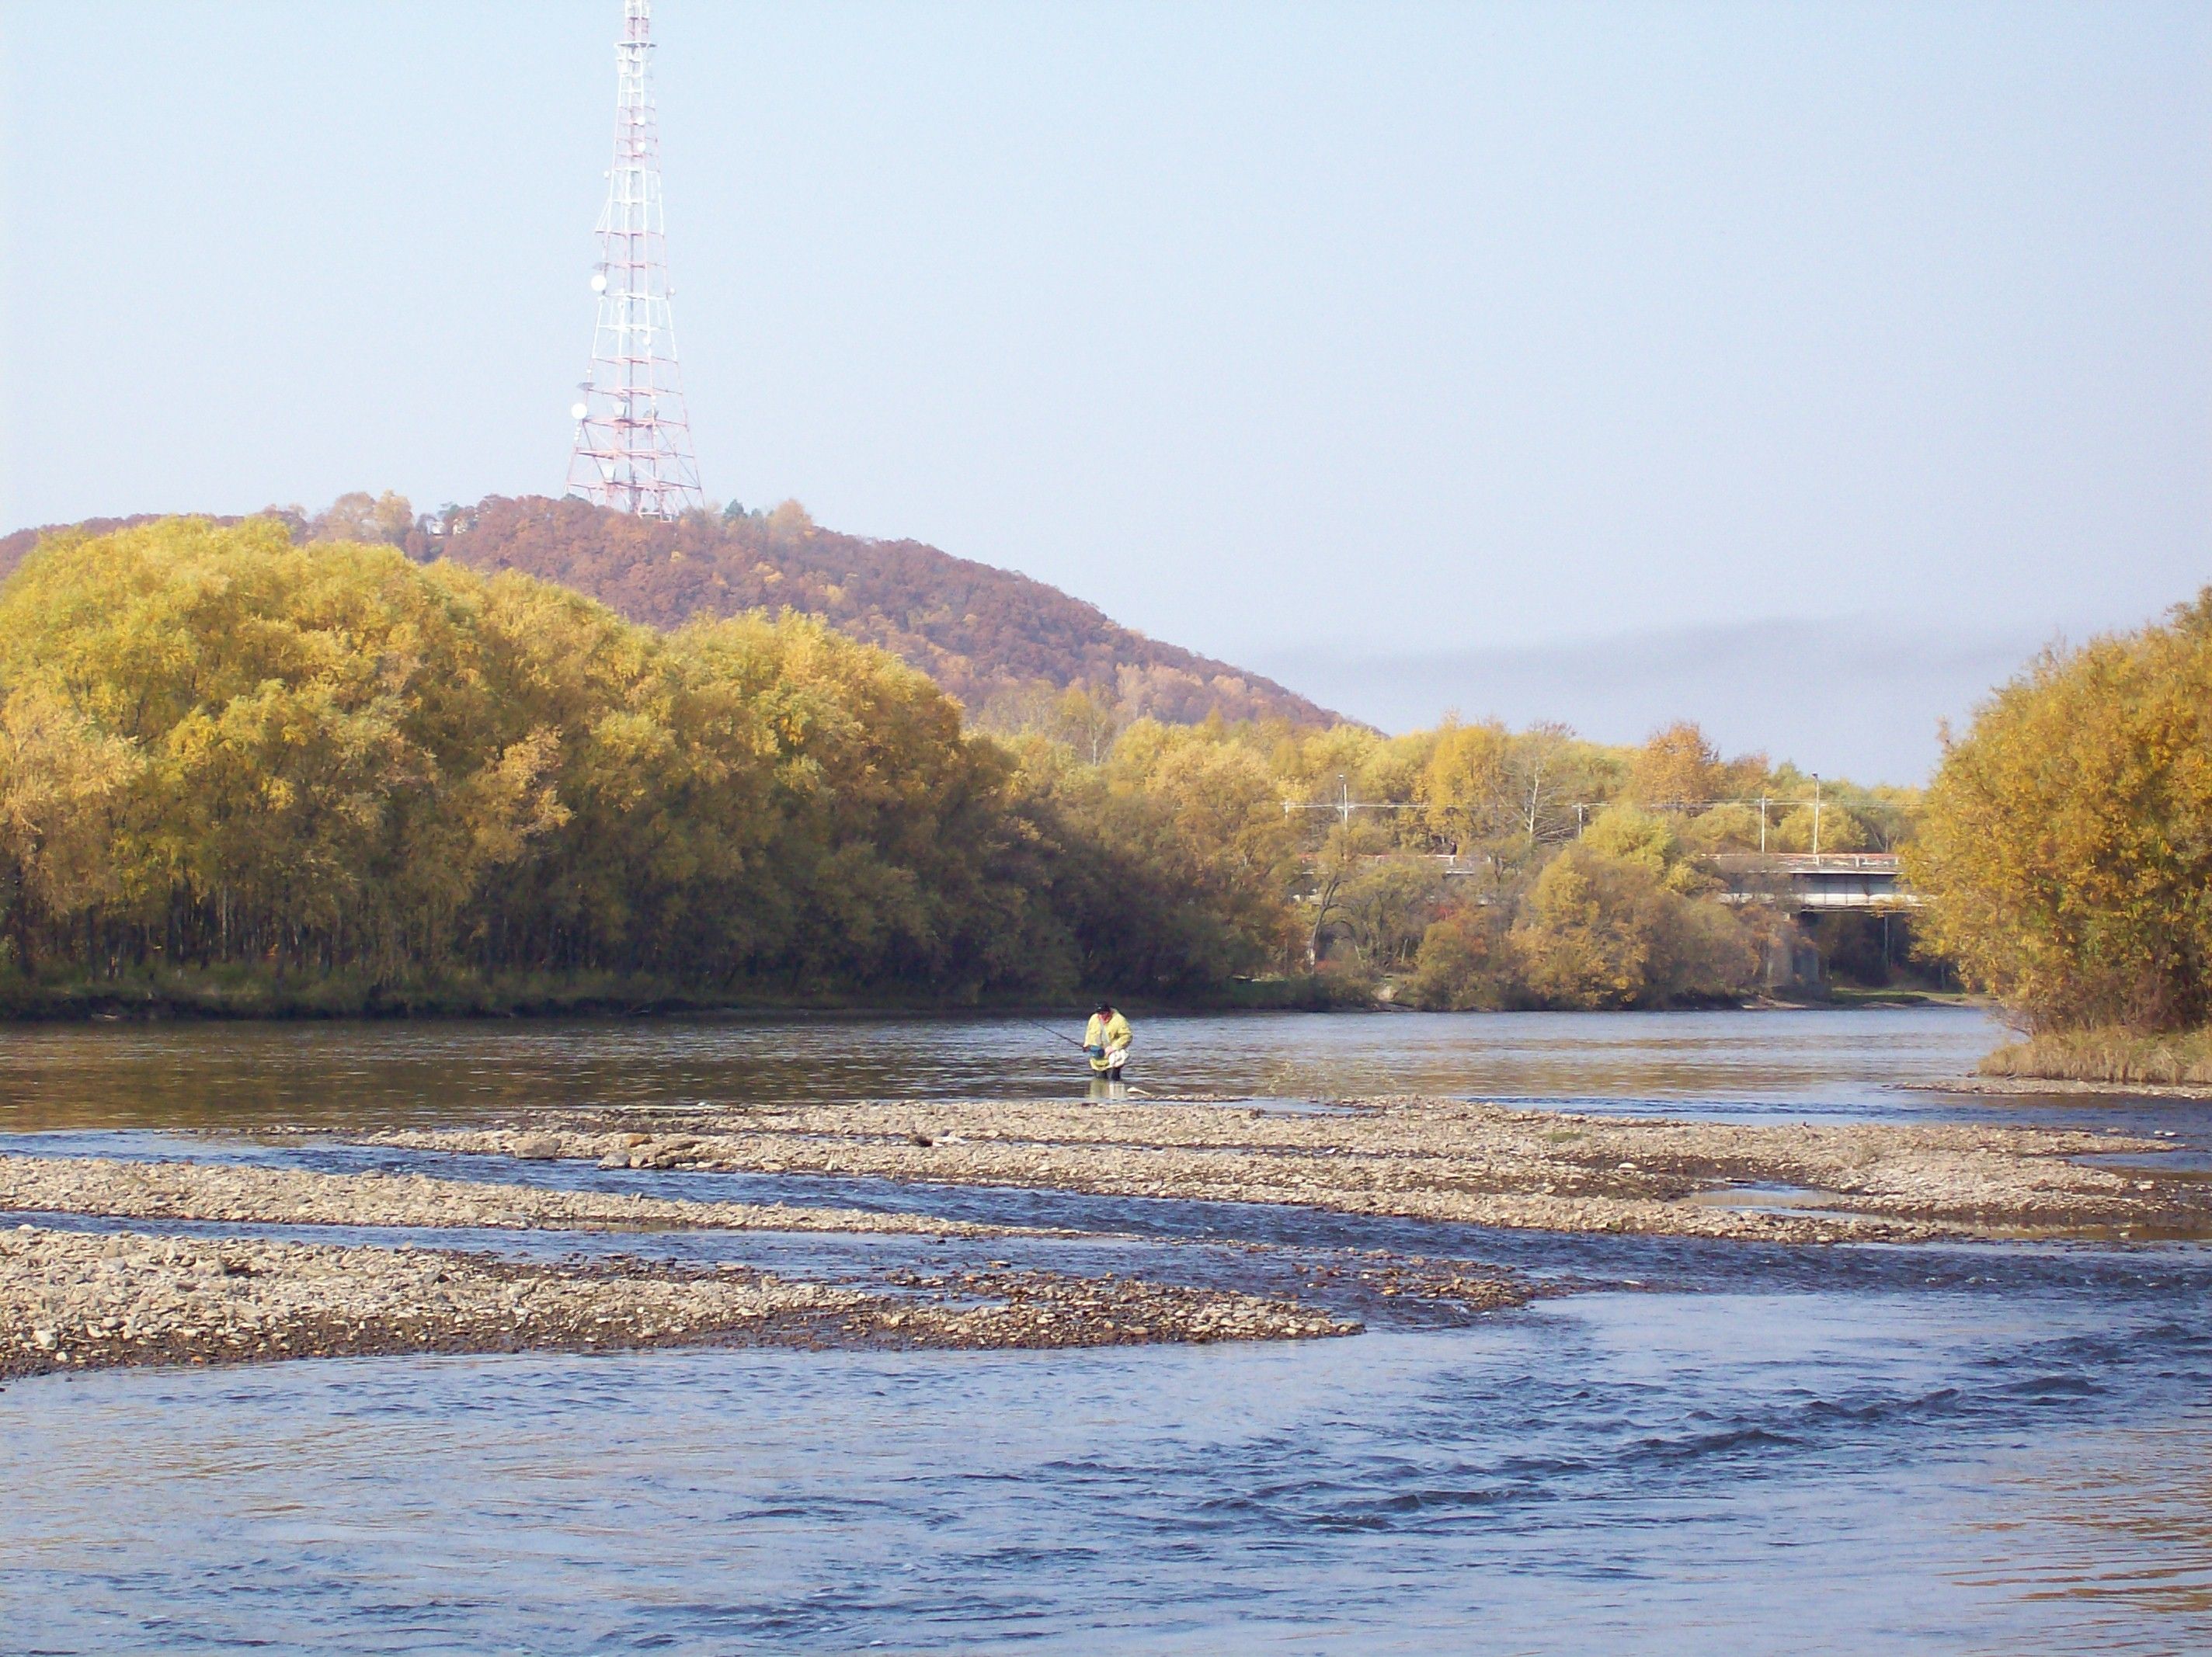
pixel 1707 1447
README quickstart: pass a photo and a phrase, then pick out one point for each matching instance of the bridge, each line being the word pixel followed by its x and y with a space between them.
pixel 1807 882
pixel 1814 884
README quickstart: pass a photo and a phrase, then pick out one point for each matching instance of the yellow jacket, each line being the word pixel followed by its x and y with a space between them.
pixel 1108 1032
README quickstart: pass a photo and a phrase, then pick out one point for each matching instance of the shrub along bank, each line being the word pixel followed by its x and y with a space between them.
pixel 2067 848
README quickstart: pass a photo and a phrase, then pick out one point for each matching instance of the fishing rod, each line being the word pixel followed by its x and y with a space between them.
pixel 1056 1034
pixel 1062 1036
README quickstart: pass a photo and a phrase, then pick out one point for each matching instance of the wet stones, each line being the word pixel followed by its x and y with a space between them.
pixel 1045 1309
pixel 1437 1159
pixel 78 1299
pixel 212 1190
pixel 72 1300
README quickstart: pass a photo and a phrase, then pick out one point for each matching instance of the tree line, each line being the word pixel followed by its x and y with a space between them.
pixel 223 749
pixel 1471 865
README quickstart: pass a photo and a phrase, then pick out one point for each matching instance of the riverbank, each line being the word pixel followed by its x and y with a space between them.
pixel 251 993
pixel 246 994
pixel 2047 1087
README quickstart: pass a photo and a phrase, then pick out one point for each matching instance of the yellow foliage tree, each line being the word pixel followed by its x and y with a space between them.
pixel 2067 838
pixel 1584 941
pixel 225 745
pixel 1839 830
pixel 218 745
pixel 1600 930
pixel 1648 841
pixel 1677 768
pixel 1468 785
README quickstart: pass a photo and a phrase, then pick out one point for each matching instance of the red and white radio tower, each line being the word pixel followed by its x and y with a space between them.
pixel 633 437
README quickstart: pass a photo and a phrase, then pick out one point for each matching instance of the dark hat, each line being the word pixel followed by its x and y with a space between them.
pixel 1105 1006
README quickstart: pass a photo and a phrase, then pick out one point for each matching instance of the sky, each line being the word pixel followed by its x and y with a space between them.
pixel 1798 369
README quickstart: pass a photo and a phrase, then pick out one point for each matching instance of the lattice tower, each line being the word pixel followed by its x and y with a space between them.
pixel 633 449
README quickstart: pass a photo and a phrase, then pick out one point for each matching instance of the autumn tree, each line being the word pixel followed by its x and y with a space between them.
pixel 62 785
pixel 281 744
pixel 218 745
pixel 1387 905
pixel 1652 843
pixel 1468 786
pixel 1676 767
pixel 1086 723
pixel 1833 827
pixel 1600 930
pixel 1466 962
pixel 361 516
pixel 2067 840
pixel 1544 764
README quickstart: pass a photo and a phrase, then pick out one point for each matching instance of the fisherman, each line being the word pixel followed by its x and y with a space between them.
pixel 1106 1039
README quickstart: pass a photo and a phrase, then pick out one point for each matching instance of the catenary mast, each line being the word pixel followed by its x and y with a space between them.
pixel 633 449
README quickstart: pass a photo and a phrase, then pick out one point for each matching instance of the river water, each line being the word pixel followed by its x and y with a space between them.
pixel 1711 1447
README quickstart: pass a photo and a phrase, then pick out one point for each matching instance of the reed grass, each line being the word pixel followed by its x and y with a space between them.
pixel 2107 1055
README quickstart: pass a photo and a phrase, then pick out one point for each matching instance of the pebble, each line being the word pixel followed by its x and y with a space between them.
pixel 281 1196
pixel 1448 1160
pixel 69 1298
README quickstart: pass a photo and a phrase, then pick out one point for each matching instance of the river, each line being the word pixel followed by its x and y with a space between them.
pixel 1712 1446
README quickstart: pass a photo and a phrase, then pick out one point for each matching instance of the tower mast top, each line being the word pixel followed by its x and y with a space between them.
pixel 633 446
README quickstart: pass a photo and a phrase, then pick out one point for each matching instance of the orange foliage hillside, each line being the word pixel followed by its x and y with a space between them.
pixel 983 633
pixel 989 636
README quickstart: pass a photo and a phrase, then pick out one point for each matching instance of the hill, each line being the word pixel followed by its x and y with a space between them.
pixel 994 639
pixel 988 635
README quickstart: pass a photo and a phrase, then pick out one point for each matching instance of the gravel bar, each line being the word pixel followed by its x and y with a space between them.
pixel 1430 1159
pixel 72 1300
pixel 279 1196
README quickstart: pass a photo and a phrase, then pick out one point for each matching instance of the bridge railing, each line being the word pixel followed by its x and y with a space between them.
pixel 1833 880
pixel 1806 862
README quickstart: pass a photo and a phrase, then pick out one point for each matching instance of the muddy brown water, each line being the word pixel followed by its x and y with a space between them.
pixel 1711 1445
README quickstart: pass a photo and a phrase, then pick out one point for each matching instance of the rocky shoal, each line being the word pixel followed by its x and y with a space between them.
pixel 285 1196
pixel 72 1300
pixel 1433 1159
pixel 2058 1086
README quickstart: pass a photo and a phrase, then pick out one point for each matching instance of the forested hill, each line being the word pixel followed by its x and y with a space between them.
pixel 16 547
pixel 987 635
pixel 992 638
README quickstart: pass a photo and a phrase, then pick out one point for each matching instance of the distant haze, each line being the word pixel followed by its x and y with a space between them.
pixel 1797 368
pixel 1852 699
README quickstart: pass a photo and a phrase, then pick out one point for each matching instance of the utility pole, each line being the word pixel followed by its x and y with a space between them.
pixel 1816 814
pixel 633 447
pixel 1344 805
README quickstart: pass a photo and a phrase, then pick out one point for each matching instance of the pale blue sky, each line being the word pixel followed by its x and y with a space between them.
pixel 1605 362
